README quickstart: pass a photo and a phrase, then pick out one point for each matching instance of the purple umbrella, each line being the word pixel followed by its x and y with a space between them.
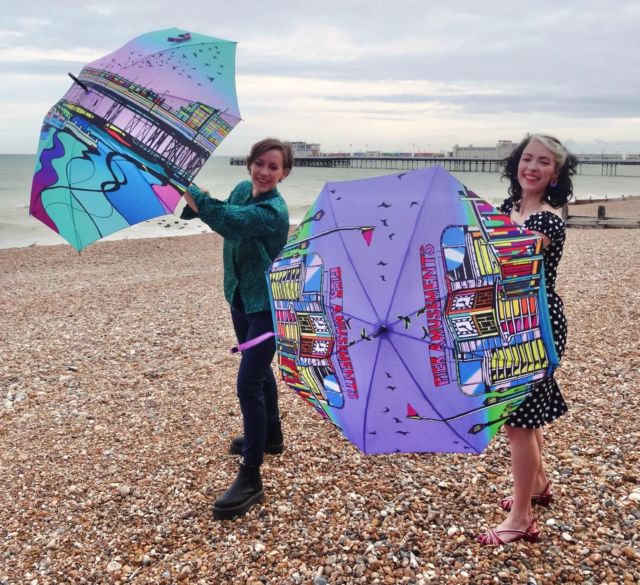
pixel 132 132
pixel 410 313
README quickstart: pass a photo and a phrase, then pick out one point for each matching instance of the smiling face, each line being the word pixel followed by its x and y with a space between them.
pixel 536 169
pixel 267 171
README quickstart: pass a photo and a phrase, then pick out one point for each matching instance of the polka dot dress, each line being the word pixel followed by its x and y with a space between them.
pixel 545 403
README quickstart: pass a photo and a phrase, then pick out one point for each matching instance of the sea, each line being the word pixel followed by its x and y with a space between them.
pixel 218 176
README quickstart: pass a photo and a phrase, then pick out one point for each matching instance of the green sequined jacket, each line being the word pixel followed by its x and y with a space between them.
pixel 254 230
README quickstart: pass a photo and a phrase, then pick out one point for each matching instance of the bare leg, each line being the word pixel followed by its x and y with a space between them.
pixel 540 487
pixel 541 480
pixel 526 463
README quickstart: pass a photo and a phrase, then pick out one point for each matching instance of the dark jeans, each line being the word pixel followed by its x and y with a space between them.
pixel 256 385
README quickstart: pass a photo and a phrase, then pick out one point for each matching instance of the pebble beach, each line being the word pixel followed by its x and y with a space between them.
pixel 117 405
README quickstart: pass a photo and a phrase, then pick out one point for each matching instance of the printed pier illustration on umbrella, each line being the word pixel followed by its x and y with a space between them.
pixel 410 313
pixel 131 133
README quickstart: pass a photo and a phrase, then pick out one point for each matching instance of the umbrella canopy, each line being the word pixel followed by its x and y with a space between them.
pixel 131 133
pixel 410 313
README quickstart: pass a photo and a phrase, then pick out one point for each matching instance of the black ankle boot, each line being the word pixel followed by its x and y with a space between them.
pixel 273 446
pixel 243 493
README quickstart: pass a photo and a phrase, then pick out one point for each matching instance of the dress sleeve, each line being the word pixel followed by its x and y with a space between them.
pixel 547 223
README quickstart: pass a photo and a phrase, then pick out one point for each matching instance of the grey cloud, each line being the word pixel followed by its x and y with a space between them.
pixel 598 106
pixel 386 118
pixel 577 58
pixel 628 146
pixel 41 68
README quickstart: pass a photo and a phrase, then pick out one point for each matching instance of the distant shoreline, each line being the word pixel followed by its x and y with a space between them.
pixel 581 214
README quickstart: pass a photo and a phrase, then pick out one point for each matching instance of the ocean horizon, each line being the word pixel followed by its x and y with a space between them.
pixel 219 177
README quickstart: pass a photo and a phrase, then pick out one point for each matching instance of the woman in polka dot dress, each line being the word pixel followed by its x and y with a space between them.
pixel 540 171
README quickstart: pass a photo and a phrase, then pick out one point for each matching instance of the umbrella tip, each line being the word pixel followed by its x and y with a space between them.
pixel 76 80
pixel 382 329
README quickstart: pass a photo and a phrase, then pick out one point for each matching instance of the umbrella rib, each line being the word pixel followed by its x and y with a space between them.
pixel 350 316
pixel 73 197
pixel 474 353
pixel 406 253
pixel 358 318
pixel 346 249
pixel 369 395
pixel 511 398
pixel 427 340
pixel 444 419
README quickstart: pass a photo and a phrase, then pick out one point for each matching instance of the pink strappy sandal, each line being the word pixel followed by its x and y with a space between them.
pixel 543 499
pixel 497 537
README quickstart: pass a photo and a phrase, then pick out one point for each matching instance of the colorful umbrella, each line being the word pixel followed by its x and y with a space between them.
pixel 131 133
pixel 410 313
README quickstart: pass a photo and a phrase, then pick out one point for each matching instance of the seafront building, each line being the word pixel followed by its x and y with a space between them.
pixel 304 149
pixel 501 150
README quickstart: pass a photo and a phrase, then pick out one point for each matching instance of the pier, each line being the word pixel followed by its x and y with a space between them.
pixel 606 167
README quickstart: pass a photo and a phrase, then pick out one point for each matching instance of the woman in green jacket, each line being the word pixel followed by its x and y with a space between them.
pixel 254 222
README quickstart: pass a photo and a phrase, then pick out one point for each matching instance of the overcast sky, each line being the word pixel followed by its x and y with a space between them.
pixel 350 74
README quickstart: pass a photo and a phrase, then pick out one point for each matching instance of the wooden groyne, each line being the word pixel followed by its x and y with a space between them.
pixel 628 206
pixel 576 221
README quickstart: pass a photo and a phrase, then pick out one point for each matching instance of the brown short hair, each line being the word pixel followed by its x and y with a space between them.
pixel 259 148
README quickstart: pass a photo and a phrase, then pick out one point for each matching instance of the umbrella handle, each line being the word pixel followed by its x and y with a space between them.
pixel 252 342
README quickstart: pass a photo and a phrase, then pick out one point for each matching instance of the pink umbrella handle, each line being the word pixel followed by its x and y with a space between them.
pixel 252 342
